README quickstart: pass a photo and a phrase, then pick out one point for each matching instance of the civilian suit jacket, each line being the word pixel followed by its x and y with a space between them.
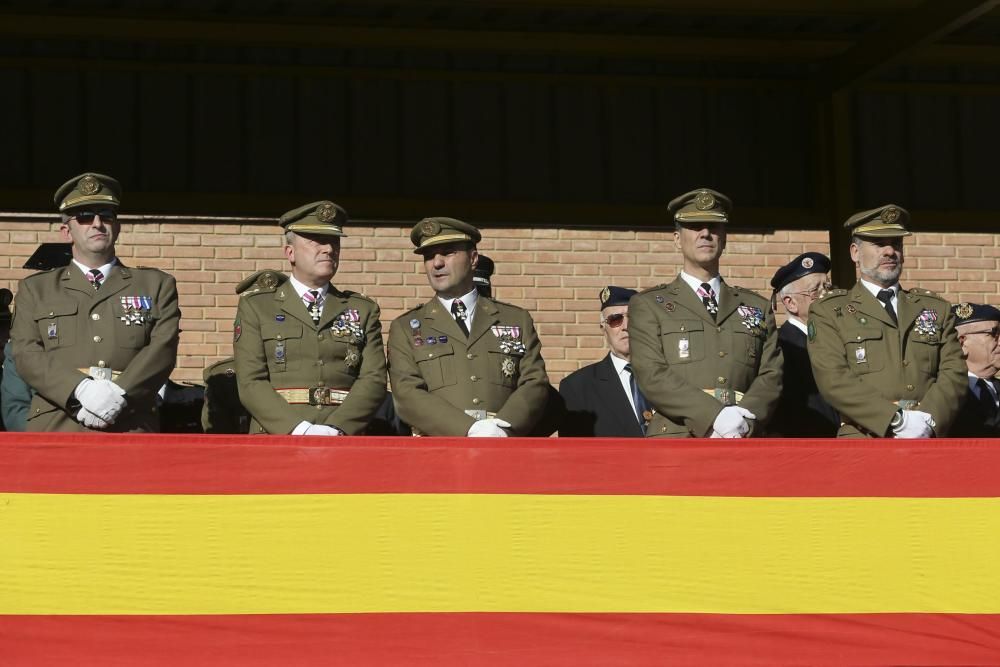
pixel 596 404
pixel 802 412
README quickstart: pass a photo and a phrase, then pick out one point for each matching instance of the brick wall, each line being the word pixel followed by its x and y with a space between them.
pixel 556 273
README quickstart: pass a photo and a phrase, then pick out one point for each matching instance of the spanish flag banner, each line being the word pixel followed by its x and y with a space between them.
pixel 152 550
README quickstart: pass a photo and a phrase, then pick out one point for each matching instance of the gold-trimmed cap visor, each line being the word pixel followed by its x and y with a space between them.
pixel 89 189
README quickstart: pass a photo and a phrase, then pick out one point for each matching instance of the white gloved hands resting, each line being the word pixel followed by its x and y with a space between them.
pixel 732 422
pixel 489 428
pixel 90 420
pixel 308 428
pixel 101 398
pixel 916 424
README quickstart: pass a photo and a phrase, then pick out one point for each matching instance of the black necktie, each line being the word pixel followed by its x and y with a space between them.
pixel 641 406
pixel 707 295
pixel 986 398
pixel 885 296
pixel 458 310
pixel 96 278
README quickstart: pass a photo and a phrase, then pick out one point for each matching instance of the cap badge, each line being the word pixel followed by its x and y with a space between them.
pixel 704 201
pixel 964 311
pixel 890 215
pixel 326 212
pixel 807 263
pixel 605 294
pixel 430 228
pixel 89 185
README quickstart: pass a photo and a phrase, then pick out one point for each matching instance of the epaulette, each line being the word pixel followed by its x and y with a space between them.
pixel 925 292
pixel 654 287
pixel 215 369
pixel 43 272
pixel 347 294
pixel 747 290
pixel 265 280
pixel 833 292
pixel 504 303
pixel 414 309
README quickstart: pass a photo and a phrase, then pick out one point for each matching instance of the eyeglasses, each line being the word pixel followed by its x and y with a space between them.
pixel 815 292
pixel 992 333
pixel 615 321
pixel 87 217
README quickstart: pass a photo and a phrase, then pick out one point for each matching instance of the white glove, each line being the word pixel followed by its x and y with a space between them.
pixel 916 424
pixel 732 422
pixel 489 428
pixel 102 398
pixel 90 420
pixel 322 429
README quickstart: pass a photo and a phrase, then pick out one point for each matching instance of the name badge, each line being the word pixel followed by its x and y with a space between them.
pixel 683 348
pixel 279 352
pixel 861 356
pixel 52 331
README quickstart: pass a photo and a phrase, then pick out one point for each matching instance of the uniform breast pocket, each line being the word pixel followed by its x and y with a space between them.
pixel 57 325
pixel 282 345
pixel 437 365
pixel 505 369
pixel 748 346
pixel 865 350
pixel 683 341
pixel 925 353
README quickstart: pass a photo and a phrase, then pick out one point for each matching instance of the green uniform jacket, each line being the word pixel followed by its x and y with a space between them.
pixel 62 324
pixel 498 369
pixel 864 363
pixel 678 350
pixel 276 345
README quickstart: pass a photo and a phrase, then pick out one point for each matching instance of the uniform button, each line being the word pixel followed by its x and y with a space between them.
pixel 52 314
pixel 473 378
pixel 683 329
pixel 722 380
pixel 906 362
pixel 468 356
pixel 97 339
pixel 320 336
pixel 721 353
pixel 95 316
pixel 430 355
pixel 101 364
pixel 475 401
pixel 859 337
pixel 909 387
pixel 719 329
pixel 320 362
pixel 278 336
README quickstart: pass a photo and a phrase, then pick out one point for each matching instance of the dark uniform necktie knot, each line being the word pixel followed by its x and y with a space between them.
pixel 460 314
pixel 707 295
pixel 885 296
pixel 95 277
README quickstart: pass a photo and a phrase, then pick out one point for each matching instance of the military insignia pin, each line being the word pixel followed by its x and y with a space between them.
pixel 851 309
pixel 53 332
pixel 442 339
pixel 352 358
pixel 659 299
pixel 669 306
pixel 605 293
pixel 704 201
pixel 861 356
pixel 279 318
pixel 964 311
pixel 431 340
pixel 279 352
pixel 507 367
pixel 414 323
pixel 807 262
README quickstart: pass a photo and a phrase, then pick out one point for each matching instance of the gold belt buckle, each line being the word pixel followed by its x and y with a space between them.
pixel 320 396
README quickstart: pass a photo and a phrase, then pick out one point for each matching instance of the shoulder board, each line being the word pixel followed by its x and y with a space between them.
pixel 655 287
pixel 925 292
pixel 505 304
pixel 412 310
pixel 348 294
pixel 265 280
pixel 144 268
pixel 833 293
pixel 747 291
pixel 43 272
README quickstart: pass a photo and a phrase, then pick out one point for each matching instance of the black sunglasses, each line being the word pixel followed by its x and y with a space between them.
pixel 87 217
pixel 615 321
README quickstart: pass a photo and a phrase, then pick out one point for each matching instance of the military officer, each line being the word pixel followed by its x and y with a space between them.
pixel 462 363
pixel 802 412
pixel 705 353
pixel 95 339
pixel 309 357
pixel 978 328
pixel 887 359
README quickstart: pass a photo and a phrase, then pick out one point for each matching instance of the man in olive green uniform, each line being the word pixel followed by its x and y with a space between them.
pixel 886 358
pixel 705 354
pixel 95 339
pixel 309 357
pixel 462 363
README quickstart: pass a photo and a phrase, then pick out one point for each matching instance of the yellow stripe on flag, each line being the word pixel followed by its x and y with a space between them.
pixel 274 554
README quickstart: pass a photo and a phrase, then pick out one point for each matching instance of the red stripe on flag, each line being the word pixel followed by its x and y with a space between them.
pixel 198 464
pixel 499 639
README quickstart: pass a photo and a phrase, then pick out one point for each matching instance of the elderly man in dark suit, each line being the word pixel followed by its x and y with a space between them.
pixel 603 399
pixel 978 329
pixel 802 412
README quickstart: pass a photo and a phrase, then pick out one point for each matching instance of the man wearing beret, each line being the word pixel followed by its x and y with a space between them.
pixel 887 359
pixel 705 353
pixel 802 412
pixel 978 328
pixel 464 364
pixel 603 399
pixel 95 339
pixel 309 357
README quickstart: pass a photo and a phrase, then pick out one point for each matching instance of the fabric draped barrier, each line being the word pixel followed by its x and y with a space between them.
pixel 228 550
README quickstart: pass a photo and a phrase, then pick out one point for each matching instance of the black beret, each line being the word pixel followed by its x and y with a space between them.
pixel 967 313
pixel 803 265
pixel 483 271
pixel 615 296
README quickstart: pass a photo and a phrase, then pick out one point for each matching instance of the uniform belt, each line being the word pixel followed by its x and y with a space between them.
pixel 313 395
pixel 480 414
pixel 737 394
pixel 100 373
